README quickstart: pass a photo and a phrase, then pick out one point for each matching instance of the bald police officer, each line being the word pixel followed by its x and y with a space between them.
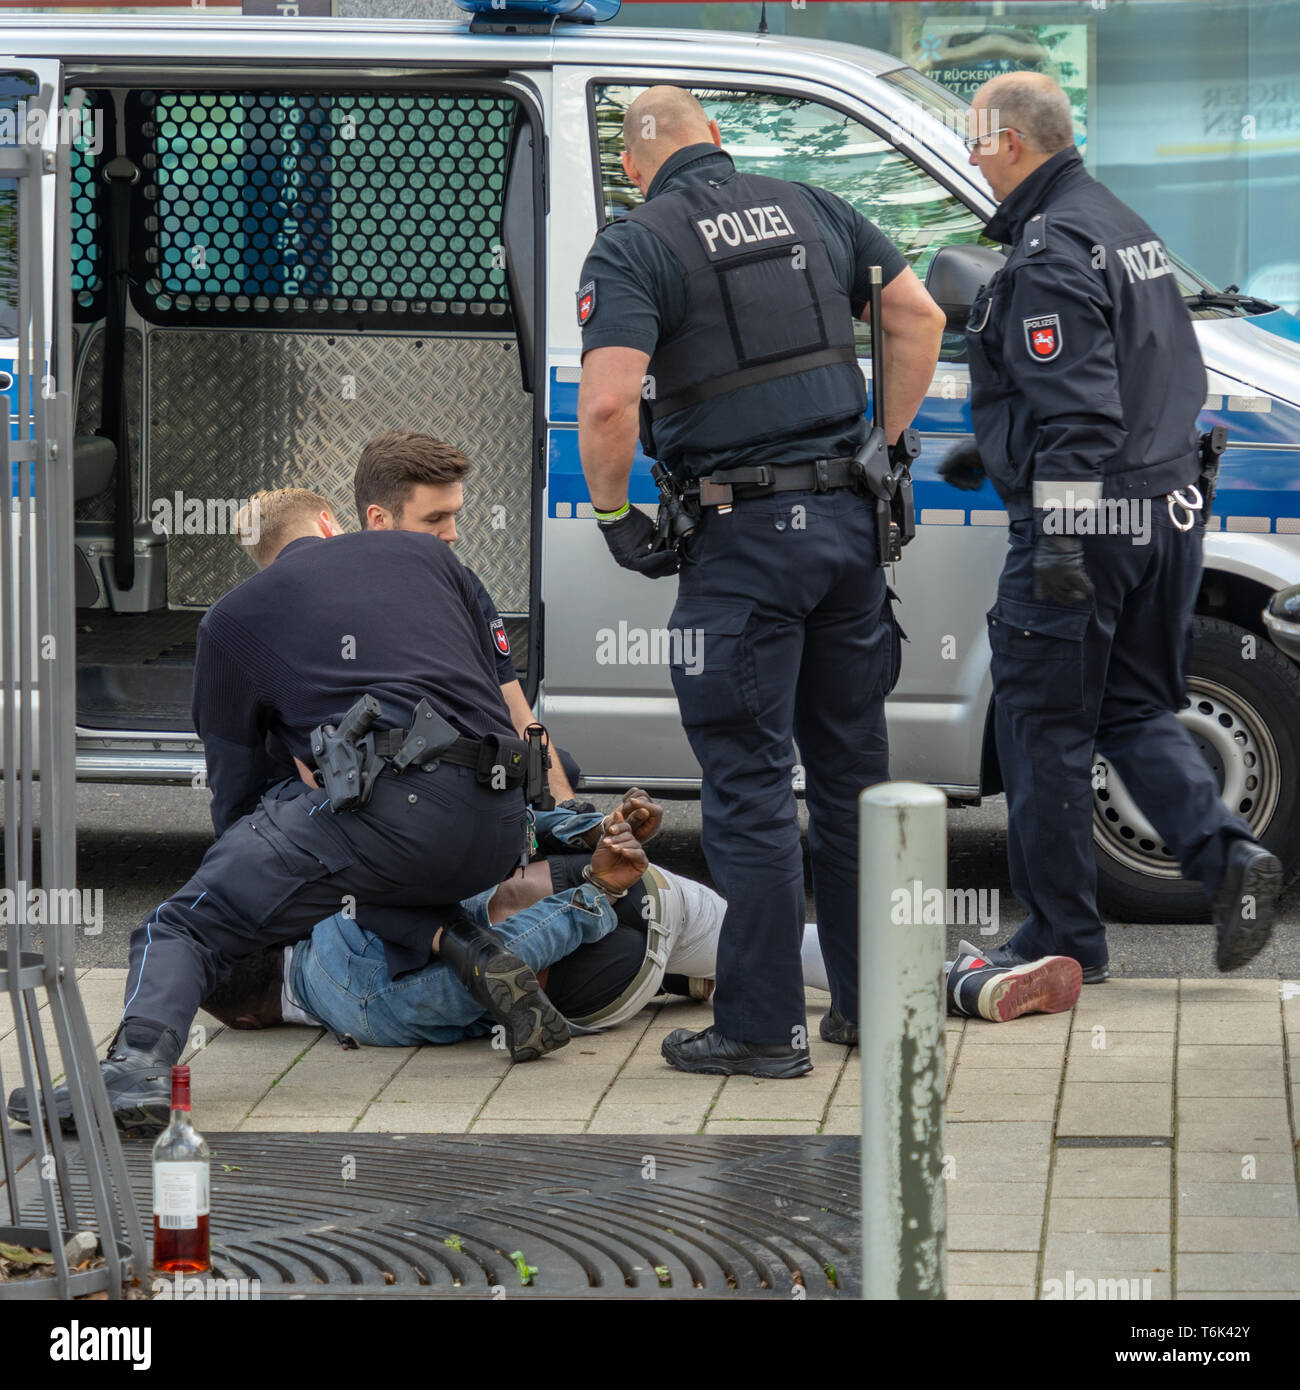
pixel 727 300
pixel 1086 384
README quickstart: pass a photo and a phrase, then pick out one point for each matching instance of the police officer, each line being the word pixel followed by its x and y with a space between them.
pixel 289 650
pixel 725 303
pixel 1086 383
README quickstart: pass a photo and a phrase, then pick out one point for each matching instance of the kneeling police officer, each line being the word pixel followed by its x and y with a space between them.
pixel 1086 384
pixel 368 656
pixel 721 311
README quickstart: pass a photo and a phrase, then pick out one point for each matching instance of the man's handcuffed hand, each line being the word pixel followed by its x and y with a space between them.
pixel 618 860
pixel 642 813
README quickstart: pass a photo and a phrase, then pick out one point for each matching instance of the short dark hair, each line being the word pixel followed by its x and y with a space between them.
pixel 395 462
pixel 252 987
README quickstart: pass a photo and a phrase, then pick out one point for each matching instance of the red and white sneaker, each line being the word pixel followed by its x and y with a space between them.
pixel 999 993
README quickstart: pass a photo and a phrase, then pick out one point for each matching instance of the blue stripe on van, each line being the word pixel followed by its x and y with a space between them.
pixel 1252 483
pixel 1280 424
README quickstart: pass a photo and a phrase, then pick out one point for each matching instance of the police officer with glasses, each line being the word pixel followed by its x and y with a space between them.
pixel 1086 384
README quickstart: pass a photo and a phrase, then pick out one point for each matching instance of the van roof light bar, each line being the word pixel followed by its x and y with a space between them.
pixel 535 16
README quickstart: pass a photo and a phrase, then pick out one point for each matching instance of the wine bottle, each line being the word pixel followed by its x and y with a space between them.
pixel 181 1177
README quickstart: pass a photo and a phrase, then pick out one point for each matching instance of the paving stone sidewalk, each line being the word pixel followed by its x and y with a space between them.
pixel 1143 1145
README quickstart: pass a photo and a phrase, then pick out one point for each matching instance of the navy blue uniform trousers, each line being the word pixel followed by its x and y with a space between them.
pixel 424 841
pixel 1107 675
pixel 792 640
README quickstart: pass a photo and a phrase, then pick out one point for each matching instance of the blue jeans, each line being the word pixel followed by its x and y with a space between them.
pixel 340 975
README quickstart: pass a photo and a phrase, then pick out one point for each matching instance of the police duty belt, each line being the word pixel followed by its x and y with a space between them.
pixel 737 484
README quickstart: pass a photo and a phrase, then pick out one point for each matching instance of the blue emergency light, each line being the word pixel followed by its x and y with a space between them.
pixel 510 13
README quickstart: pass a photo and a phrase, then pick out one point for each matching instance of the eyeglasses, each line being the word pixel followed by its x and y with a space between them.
pixel 972 140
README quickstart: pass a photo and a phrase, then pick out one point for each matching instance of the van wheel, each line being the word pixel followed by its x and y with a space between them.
pixel 1244 713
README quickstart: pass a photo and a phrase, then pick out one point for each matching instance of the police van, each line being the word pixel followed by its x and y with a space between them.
pixel 321 229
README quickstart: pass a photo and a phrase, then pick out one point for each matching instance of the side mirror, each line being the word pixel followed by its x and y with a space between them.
pixel 956 275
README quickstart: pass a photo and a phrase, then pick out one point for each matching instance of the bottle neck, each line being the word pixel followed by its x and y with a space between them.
pixel 181 1096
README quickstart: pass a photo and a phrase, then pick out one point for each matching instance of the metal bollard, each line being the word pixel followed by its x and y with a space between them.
pixel 903 841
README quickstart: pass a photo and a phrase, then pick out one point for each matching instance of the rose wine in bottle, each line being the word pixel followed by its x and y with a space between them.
pixel 181 1172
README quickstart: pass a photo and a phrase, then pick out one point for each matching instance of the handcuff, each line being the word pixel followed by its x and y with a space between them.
pixel 1189 507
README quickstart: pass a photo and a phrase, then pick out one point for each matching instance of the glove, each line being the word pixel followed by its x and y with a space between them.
pixel 630 539
pixel 962 468
pixel 1059 575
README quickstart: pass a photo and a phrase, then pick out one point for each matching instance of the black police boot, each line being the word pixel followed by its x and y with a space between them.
pixel 1243 906
pixel 835 1029
pixel 505 986
pixel 139 1085
pixel 710 1052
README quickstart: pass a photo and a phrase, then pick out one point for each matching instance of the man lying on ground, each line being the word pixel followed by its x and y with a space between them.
pixel 600 956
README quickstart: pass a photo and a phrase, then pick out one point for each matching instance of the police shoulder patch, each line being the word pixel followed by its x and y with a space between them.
pixel 499 636
pixel 586 303
pixel 1034 239
pixel 1043 337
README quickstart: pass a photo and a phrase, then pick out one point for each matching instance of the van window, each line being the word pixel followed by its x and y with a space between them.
pixel 794 137
pixel 307 209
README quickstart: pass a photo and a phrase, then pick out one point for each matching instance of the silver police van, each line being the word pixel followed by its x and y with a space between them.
pixel 265 240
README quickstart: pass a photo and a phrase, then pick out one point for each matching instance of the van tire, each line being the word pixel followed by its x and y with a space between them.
pixel 1251 705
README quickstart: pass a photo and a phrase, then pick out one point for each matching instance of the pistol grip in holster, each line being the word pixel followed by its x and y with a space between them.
pixel 537 787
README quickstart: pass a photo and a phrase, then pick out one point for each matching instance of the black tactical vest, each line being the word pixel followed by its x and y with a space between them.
pixel 762 302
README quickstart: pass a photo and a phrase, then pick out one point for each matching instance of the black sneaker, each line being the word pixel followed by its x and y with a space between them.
pixel 977 987
pixel 139 1086
pixel 835 1029
pixel 1244 904
pixel 711 1053
pixel 1005 956
pixel 506 987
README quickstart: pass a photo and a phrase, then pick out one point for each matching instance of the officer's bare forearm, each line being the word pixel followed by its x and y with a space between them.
pixel 607 444
pixel 909 362
pixel 609 400
pixel 911 335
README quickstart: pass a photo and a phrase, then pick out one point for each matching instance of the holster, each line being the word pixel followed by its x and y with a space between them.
pixel 884 474
pixel 1213 444
pixel 346 757
pixel 537 787
pixel 679 513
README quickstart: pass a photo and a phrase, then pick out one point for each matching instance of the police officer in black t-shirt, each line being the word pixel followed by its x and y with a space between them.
pixel 1086 384
pixel 293 648
pixel 725 303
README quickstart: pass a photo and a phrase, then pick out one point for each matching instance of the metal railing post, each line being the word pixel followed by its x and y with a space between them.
pixel 902 854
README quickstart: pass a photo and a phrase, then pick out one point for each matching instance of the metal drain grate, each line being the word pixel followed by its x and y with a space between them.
pixel 628 1217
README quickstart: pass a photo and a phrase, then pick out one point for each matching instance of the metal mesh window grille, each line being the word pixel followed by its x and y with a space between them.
pixel 86 199
pixel 306 208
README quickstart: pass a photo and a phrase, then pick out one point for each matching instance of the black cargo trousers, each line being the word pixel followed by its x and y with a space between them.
pixel 424 841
